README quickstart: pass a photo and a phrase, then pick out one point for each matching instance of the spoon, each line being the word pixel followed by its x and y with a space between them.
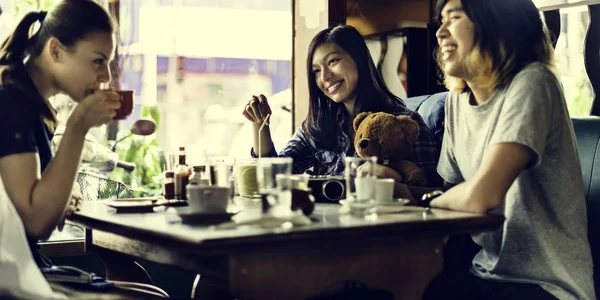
pixel 141 127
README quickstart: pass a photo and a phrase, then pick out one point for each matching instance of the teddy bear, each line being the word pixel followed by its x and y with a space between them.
pixel 391 139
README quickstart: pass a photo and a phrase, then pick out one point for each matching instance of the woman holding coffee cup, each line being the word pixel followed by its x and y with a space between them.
pixel 343 81
pixel 69 54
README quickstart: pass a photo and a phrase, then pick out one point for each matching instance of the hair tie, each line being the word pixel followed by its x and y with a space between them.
pixel 42 15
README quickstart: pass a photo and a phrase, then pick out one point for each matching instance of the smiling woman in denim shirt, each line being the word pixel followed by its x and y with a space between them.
pixel 343 82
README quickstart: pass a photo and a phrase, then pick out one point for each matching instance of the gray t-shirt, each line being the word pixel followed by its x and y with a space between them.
pixel 544 238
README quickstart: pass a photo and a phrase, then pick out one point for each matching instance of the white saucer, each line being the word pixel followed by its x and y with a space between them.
pixel 393 202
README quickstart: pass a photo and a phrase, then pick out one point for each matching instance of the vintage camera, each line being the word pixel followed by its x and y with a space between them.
pixel 327 189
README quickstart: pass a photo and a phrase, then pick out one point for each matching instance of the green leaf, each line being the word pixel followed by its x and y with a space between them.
pixel 147 155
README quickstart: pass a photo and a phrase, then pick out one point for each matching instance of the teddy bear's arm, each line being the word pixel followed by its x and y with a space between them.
pixel 410 172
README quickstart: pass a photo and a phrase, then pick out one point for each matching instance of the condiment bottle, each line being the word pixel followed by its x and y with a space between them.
pixel 182 175
pixel 169 185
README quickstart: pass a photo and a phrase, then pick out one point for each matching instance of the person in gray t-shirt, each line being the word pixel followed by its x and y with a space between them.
pixel 509 149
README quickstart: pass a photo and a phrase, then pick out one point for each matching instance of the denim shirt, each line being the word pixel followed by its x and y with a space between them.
pixel 327 162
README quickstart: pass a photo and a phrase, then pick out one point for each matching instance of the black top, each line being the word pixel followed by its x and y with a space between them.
pixel 22 130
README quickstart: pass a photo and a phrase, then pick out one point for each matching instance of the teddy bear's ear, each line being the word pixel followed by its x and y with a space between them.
pixel 359 118
pixel 411 127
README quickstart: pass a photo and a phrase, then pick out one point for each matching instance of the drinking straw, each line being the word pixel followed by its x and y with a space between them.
pixel 265 122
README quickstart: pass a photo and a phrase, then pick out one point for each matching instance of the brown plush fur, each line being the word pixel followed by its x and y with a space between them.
pixel 391 139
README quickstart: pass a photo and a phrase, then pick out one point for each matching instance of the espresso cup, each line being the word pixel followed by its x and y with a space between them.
pixel 126 98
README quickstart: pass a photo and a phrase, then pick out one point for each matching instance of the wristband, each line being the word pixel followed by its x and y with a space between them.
pixel 428 197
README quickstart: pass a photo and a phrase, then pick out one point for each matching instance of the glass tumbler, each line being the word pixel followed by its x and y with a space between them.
pixel 274 176
pixel 360 185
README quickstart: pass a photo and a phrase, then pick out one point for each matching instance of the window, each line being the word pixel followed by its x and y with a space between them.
pixel 569 56
pixel 543 3
pixel 200 68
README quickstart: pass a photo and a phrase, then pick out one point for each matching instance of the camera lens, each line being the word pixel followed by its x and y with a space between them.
pixel 333 190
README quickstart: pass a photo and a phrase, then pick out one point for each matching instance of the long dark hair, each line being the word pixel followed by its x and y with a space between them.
pixel 372 94
pixel 509 35
pixel 69 21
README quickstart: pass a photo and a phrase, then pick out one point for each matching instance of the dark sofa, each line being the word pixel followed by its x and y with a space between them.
pixel 587 132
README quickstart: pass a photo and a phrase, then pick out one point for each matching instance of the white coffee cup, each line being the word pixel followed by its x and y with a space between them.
pixel 207 199
pixel 364 188
pixel 384 190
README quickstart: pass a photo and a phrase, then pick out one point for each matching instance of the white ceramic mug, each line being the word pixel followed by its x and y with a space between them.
pixel 384 190
pixel 364 188
pixel 207 199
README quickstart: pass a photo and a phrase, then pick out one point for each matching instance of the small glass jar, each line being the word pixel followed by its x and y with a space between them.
pixel 199 176
pixel 245 175
pixel 169 185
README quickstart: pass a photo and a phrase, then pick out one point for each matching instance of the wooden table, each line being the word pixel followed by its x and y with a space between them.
pixel 398 252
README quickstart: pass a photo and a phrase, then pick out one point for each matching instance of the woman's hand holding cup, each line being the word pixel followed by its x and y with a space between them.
pixel 95 110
